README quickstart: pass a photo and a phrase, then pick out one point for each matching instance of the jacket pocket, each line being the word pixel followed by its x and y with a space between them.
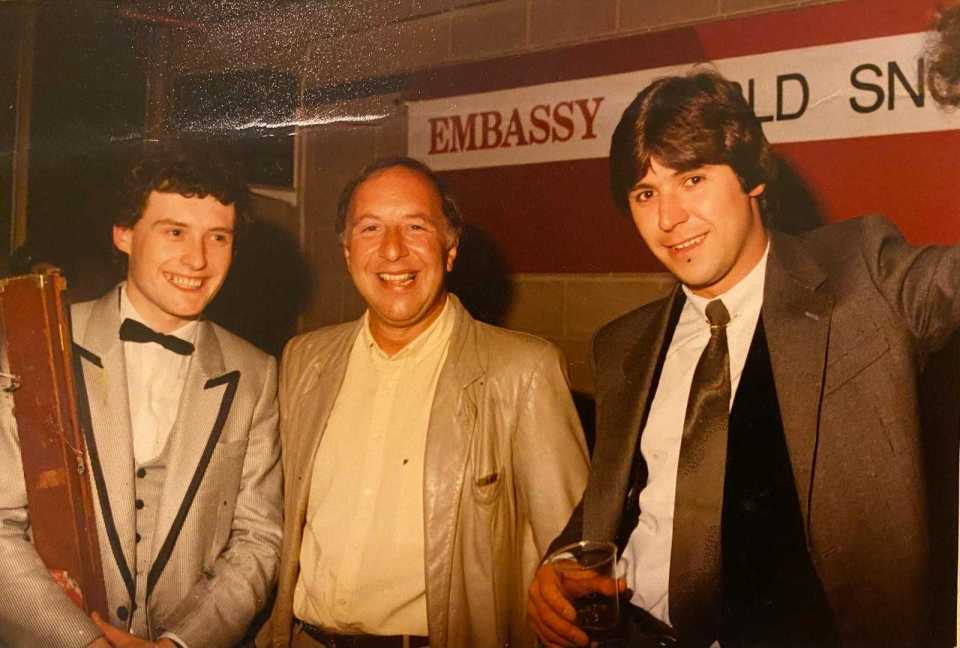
pixel 854 360
pixel 486 472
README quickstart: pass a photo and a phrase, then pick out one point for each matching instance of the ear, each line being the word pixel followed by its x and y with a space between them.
pixel 122 238
pixel 756 191
pixel 452 255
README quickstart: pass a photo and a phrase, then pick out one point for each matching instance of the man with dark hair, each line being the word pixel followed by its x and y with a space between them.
pixel 758 458
pixel 429 458
pixel 184 455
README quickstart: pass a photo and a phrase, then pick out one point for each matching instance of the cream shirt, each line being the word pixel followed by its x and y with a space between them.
pixel 645 562
pixel 155 380
pixel 362 557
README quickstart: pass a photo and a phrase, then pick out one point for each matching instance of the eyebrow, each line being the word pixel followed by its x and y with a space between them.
pixel 176 223
pixel 170 221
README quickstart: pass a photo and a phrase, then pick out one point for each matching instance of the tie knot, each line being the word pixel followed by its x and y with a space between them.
pixel 717 314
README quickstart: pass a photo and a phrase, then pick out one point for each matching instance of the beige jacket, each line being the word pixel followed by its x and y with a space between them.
pixel 215 557
pixel 505 464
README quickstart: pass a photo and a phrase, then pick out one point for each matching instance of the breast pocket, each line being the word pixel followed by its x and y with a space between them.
pixel 486 473
pixel 854 360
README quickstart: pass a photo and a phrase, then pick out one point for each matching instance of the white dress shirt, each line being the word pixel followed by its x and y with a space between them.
pixel 155 380
pixel 645 562
pixel 362 563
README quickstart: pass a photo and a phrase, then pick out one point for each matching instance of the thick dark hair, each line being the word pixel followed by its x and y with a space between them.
pixel 192 170
pixel 447 202
pixel 685 122
pixel 943 53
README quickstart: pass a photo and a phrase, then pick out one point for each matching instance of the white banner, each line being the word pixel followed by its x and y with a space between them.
pixel 853 89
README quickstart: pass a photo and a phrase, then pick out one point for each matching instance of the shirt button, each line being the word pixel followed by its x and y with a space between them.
pixel 138 538
pixel 139 504
pixel 141 473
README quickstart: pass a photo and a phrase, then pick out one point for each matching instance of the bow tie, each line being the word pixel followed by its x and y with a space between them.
pixel 134 331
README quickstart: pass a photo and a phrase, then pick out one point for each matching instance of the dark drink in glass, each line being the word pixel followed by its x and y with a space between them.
pixel 587 575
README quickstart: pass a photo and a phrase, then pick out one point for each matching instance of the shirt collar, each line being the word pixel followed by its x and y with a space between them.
pixel 743 299
pixel 417 349
pixel 128 311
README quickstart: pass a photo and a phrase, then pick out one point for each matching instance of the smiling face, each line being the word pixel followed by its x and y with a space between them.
pixel 700 224
pixel 179 254
pixel 398 247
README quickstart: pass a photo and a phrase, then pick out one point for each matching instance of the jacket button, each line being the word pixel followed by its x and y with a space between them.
pixel 138 537
pixel 141 473
pixel 122 613
pixel 139 504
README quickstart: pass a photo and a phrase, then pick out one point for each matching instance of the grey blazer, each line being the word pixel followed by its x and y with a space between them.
pixel 217 544
pixel 851 313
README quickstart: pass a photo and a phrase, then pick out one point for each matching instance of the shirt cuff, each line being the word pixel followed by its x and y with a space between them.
pixel 175 639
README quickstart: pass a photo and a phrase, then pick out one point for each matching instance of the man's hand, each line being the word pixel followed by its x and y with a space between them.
pixel 119 639
pixel 549 613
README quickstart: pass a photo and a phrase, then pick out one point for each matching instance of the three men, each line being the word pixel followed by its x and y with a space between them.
pixel 185 460
pixel 758 457
pixel 428 458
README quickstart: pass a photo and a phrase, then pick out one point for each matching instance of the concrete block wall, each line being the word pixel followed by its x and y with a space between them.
pixel 335 42
pixel 568 308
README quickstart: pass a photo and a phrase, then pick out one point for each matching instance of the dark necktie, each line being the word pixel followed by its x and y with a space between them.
pixel 695 577
pixel 134 331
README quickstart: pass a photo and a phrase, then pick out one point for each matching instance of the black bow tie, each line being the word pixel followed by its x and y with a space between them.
pixel 134 331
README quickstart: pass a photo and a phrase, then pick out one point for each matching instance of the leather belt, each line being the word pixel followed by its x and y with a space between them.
pixel 334 640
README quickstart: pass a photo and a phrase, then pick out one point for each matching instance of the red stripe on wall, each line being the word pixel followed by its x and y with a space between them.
pixel 559 217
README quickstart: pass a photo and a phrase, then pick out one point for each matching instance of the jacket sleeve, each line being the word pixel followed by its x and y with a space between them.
pixel 34 611
pixel 552 462
pixel 220 607
pixel 921 284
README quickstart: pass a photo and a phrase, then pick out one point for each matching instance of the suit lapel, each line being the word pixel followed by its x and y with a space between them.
pixel 796 318
pixel 453 421
pixel 314 401
pixel 622 411
pixel 204 404
pixel 100 357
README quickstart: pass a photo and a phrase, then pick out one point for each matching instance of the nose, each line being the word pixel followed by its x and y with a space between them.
pixel 195 254
pixel 672 211
pixel 392 245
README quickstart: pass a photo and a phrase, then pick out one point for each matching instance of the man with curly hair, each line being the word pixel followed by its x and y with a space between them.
pixel 183 453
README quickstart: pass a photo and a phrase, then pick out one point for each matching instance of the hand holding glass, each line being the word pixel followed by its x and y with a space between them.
pixel 587 574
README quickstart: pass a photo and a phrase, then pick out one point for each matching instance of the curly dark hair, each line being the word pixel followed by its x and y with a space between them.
pixel 685 122
pixel 191 170
pixel 943 56
pixel 447 202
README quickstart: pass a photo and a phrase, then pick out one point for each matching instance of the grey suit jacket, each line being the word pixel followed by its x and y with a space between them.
pixel 216 552
pixel 851 314
pixel 505 463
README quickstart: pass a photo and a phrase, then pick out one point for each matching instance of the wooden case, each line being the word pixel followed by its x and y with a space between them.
pixel 36 327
